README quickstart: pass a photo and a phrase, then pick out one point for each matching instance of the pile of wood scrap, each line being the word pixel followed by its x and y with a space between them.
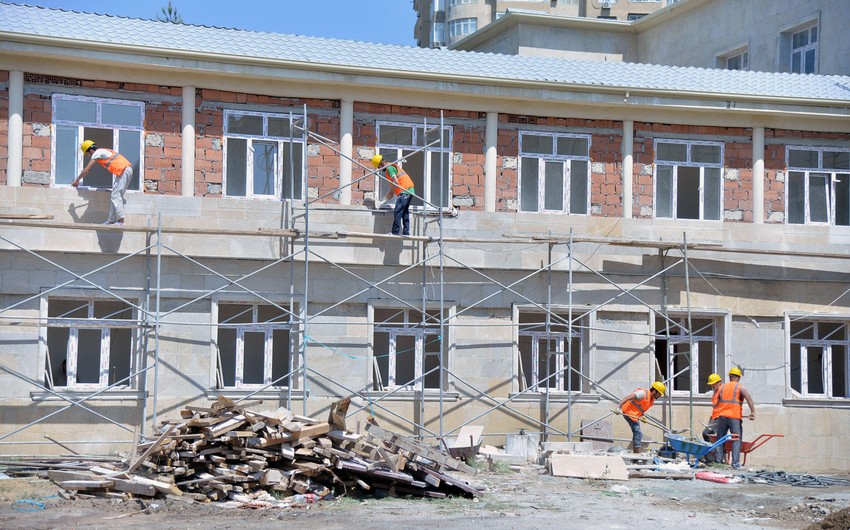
pixel 227 451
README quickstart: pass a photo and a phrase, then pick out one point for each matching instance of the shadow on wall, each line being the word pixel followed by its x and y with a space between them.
pixel 382 224
pixel 94 206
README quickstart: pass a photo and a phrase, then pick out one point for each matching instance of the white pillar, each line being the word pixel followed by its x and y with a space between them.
pixel 628 167
pixel 491 139
pixel 758 175
pixel 15 153
pixel 187 176
pixel 346 131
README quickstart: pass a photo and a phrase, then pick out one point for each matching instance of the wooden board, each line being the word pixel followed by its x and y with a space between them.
pixel 588 466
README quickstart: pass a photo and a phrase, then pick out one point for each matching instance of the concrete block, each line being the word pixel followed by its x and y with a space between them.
pixel 588 466
pixel 568 447
pixel 523 444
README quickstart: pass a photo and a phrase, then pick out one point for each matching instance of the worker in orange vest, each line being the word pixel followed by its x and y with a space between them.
pixel 729 411
pixel 635 405
pixel 401 185
pixel 122 174
pixel 714 382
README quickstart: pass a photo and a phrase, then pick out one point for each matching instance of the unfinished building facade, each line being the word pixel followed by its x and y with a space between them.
pixel 580 229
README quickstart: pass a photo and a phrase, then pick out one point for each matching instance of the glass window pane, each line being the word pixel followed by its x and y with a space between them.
pixel 415 169
pixel 405 358
pixel 112 309
pixel 814 34
pixel 254 344
pixel 525 359
pixel 271 314
pixel 795 62
pixel 98 176
pixel 227 356
pixel 796 198
pixel 431 362
pixel 672 152
pixel 280 357
pixel 279 127
pixel 801 330
pixel 76 111
pixel 799 39
pixel 713 193
pixel 88 356
pixel 130 146
pixel 265 168
pixel 401 135
pixel 235 314
pixel 120 346
pixel 572 146
pixel 810 62
pixel 705 154
pixel 687 193
pixel 578 186
pixel 796 370
pixel 114 114
pixel 836 160
pixel 67 147
pixel 842 199
pixel 818 201
pixel 293 164
pixel 237 167
pixel 532 143
pixel 831 330
pixel 529 183
pixel 814 364
pixel 439 166
pixel 434 136
pixel 57 355
pixel 554 186
pixel 381 352
pixel 244 124
pixel 664 192
pixel 839 371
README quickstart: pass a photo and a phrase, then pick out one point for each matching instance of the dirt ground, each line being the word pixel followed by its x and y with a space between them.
pixel 527 499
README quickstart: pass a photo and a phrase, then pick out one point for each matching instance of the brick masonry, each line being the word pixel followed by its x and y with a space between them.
pixel 163 159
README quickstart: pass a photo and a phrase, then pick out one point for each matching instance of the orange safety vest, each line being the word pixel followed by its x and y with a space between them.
pixel 715 398
pixel 729 402
pixel 634 408
pixel 116 163
pixel 404 181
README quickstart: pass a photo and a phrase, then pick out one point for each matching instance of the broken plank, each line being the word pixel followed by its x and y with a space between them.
pixel 150 449
pixel 424 451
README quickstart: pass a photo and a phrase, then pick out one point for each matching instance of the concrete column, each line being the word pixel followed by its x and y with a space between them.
pixel 491 139
pixel 628 166
pixel 187 177
pixel 15 154
pixel 346 131
pixel 758 175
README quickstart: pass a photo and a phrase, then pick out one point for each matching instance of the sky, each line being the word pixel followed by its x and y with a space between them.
pixel 383 21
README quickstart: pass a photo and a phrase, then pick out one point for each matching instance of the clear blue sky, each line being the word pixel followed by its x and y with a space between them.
pixel 385 21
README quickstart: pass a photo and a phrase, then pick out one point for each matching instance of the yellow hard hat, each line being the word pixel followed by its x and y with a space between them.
pixel 659 386
pixel 376 160
pixel 735 371
pixel 713 378
pixel 85 146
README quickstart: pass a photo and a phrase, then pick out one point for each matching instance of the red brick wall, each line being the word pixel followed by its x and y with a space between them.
pixel 36 147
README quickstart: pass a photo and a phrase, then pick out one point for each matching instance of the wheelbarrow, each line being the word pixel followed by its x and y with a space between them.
pixel 748 447
pixel 696 449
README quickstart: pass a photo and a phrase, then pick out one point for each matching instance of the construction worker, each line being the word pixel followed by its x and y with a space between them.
pixel 402 186
pixel 714 382
pixel 635 405
pixel 729 411
pixel 122 174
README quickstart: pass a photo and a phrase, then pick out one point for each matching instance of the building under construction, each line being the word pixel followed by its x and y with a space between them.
pixel 579 229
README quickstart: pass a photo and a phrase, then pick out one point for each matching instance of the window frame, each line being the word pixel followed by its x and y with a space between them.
pixel 531 376
pixel 801 51
pixel 831 191
pixel 105 326
pixel 281 144
pixel 79 127
pixel 697 379
pixel 567 172
pixel 674 185
pixel 268 328
pixel 396 151
pixel 828 347
pixel 460 27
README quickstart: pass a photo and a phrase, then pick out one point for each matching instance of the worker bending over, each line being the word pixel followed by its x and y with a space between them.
pixel 635 405
pixel 122 174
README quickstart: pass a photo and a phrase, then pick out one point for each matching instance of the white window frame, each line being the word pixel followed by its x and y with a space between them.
pixel 833 178
pixel 80 126
pixel 460 27
pixel 409 327
pixel 800 52
pixel 828 349
pixel 742 58
pixel 89 323
pixel 678 347
pixel 281 144
pixel 395 151
pixel 268 329
pixel 555 158
pixel 560 341
pixel 702 166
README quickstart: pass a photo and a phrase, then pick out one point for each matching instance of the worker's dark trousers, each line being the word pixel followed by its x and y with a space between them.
pixel 732 425
pixel 637 435
pixel 401 214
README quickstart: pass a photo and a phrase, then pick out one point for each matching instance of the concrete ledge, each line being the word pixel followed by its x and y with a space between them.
pixel 76 395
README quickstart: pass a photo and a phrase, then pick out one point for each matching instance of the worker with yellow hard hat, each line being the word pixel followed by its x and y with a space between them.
pixel 635 405
pixel 401 185
pixel 122 174
pixel 729 408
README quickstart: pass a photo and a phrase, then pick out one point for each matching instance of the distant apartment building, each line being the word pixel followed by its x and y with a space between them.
pixel 443 23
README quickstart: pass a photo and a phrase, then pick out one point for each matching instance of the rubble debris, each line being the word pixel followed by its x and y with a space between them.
pixel 229 452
